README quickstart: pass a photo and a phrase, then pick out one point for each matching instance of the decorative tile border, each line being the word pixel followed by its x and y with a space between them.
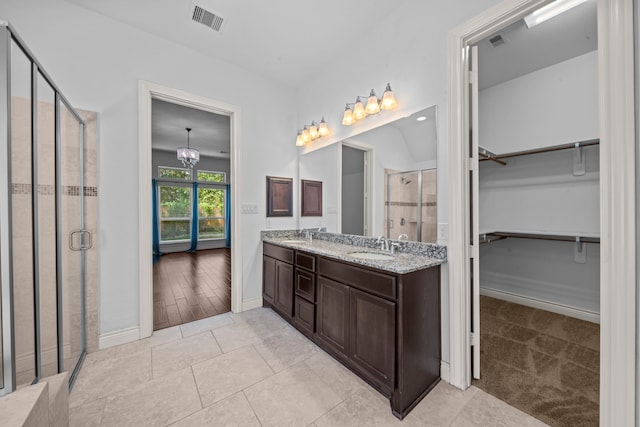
pixel 50 190
pixel 413 204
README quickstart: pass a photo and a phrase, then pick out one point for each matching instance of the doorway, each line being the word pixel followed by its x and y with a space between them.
pixel 615 78
pixel 148 92
pixel 192 238
pixel 355 184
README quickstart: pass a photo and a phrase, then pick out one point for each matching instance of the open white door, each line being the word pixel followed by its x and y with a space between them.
pixel 474 216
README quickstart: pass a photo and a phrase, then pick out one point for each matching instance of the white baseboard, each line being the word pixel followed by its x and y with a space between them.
pixel 251 303
pixel 444 371
pixel 589 316
pixel 122 336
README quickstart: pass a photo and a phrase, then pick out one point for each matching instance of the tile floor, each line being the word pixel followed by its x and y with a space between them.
pixel 252 369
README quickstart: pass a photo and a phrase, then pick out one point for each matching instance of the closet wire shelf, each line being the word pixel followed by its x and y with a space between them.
pixel 500 235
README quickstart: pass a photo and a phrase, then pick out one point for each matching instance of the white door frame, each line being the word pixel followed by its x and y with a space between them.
pixel 146 92
pixel 617 199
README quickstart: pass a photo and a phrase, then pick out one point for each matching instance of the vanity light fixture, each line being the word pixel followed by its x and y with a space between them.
pixel 187 155
pixel 374 106
pixel 312 132
pixel 550 11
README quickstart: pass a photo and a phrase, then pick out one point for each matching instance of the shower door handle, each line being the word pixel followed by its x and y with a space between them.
pixel 85 243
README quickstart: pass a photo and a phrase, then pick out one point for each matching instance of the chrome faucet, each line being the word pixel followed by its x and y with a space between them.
pixel 402 237
pixel 383 242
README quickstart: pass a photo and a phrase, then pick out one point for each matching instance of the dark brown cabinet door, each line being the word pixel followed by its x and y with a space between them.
pixel 284 288
pixel 372 336
pixel 268 279
pixel 332 322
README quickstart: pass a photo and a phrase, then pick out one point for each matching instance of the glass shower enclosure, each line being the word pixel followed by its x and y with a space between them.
pixel 43 238
pixel 410 203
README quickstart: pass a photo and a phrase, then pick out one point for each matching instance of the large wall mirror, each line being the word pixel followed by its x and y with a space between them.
pixel 380 182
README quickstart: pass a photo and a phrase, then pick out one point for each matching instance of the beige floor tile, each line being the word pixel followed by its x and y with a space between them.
pixel 442 404
pixel 364 408
pixel 105 377
pixel 236 335
pixel 162 336
pixel 229 373
pixel 207 324
pixel 294 397
pixel 87 415
pixel 341 380
pixel 232 411
pixel 183 353
pixel 486 410
pixel 154 403
pixel 286 348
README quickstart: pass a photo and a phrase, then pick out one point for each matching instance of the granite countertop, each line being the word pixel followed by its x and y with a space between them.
pixel 411 256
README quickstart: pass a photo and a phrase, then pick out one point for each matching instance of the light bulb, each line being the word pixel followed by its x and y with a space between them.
pixel 372 103
pixel 299 140
pixel 347 118
pixel 313 130
pixel 358 110
pixel 324 129
pixel 388 99
pixel 305 135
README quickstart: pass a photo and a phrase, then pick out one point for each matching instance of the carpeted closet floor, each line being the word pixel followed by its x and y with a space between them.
pixel 543 363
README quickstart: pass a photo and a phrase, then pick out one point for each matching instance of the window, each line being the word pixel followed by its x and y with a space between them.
pixel 165 172
pixel 175 205
pixel 175 213
pixel 211 213
pixel 211 176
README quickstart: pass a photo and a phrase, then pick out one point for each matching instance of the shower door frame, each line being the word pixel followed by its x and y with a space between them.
pixel 7 36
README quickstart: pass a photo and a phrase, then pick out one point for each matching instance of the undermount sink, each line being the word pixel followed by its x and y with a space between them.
pixel 371 256
pixel 297 242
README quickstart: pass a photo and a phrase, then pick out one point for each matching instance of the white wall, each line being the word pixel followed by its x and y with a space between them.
pixel 539 193
pixel 552 106
pixel 97 63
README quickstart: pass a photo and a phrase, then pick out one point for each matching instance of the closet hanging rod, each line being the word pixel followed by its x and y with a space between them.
pixel 578 144
pixel 499 235
pixel 488 155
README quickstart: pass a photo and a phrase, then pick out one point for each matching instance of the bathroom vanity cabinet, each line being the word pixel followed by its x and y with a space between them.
pixel 383 326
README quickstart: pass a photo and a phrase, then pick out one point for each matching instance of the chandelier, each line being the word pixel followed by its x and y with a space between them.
pixel 187 155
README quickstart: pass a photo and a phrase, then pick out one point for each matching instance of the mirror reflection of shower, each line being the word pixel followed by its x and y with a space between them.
pixel 410 205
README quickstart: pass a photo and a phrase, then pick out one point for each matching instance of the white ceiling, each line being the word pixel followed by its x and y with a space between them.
pixel 566 36
pixel 210 133
pixel 285 40
pixel 420 136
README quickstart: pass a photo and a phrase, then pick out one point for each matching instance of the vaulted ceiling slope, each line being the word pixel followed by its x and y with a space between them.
pixel 285 40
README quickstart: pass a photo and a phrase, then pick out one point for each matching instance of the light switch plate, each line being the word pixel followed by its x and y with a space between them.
pixel 249 208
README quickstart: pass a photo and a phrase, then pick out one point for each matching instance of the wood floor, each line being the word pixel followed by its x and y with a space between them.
pixel 191 286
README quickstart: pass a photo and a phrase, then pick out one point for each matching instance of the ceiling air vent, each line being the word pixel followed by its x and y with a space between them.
pixel 497 40
pixel 207 18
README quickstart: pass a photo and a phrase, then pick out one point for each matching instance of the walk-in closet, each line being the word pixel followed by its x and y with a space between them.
pixel 537 200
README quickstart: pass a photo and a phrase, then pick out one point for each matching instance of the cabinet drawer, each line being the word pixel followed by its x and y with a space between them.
pixel 305 315
pixel 305 260
pixel 306 284
pixel 379 284
pixel 278 252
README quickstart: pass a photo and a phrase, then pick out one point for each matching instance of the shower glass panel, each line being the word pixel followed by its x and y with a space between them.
pixel 22 218
pixel 71 221
pixel 46 203
pixel 411 208
pixel 429 206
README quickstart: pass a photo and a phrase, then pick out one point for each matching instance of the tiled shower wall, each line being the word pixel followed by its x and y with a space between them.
pixel 23 269
pixel 401 205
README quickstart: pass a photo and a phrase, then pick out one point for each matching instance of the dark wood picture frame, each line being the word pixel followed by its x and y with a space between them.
pixel 279 196
pixel 310 198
